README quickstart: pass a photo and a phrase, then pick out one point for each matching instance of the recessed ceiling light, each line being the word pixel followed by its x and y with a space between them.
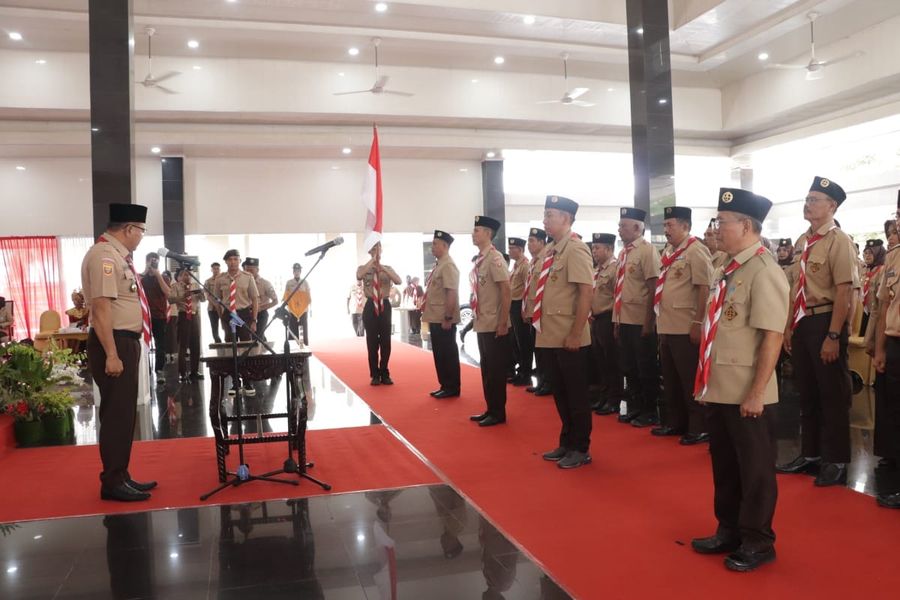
pixel 38 536
pixel 40 61
pixel 763 56
pixel 346 150
pixel 474 81
pixel 640 30
pixel 381 7
pixel 463 170
pixel 20 168
pixel 12 570
pixel 353 51
pixel 173 555
pixel 193 44
pixel 95 129
pixel 610 89
pixel 528 19
pixel 231 1
pixel 335 167
pixel 155 150
pixel 15 36
pixel 499 60
pixel 341 74
pixel 663 101
pixel 491 154
pixel 197 67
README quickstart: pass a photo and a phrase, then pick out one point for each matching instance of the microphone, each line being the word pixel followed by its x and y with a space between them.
pixel 189 261
pixel 326 246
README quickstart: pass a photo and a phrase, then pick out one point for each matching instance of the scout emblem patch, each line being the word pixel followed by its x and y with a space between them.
pixel 730 313
pixel 107 267
pixel 727 197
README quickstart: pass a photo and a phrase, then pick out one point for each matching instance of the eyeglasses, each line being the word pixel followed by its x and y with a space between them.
pixel 717 223
pixel 143 229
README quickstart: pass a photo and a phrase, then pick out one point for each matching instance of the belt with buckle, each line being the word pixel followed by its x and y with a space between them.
pixel 819 309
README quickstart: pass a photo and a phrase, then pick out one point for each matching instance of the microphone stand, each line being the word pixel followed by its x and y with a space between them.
pixel 242 475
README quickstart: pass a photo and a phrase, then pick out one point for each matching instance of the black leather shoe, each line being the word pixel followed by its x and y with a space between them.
pixel 544 391
pixel 801 464
pixel 745 561
pixel 375 380
pixel 123 493
pixel 628 417
pixel 831 474
pixel 435 392
pixel 665 431
pixel 692 439
pixel 490 421
pixel 447 394
pixel 480 417
pixel 386 380
pixel 608 409
pixel 714 545
pixel 888 500
pixel 644 421
pixel 141 487
pixel 554 455
pixel 574 459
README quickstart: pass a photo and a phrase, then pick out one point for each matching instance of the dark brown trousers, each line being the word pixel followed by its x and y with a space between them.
pixel 188 339
pixel 605 352
pixel 678 358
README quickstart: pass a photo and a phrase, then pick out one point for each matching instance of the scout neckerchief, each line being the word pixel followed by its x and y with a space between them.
pixel 542 281
pixel 668 259
pixel 376 292
pixel 870 278
pixel 800 296
pixel 145 306
pixel 531 264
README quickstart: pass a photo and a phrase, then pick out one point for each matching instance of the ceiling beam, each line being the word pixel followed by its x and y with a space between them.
pixel 581 10
pixel 682 12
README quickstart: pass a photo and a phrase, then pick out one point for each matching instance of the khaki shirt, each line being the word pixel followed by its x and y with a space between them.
pixel 534 272
pixel 266 292
pixel 105 274
pixel 677 307
pixel 300 301
pixel 517 279
pixel 756 301
pixel 367 275
pixel 445 276
pixel 604 288
pixel 178 296
pixel 831 262
pixel 873 308
pixel 642 264
pixel 491 273
pixel 210 285
pixel 246 289
pixel 572 265
pixel 719 260
pixel 888 293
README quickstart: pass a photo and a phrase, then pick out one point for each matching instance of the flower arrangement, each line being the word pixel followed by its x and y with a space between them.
pixel 33 384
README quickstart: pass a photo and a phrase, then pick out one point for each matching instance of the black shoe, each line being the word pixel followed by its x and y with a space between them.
pixel 123 493
pixel 447 394
pixel 141 487
pixel 375 380
pixel 831 474
pixel 692 439
pixel 608 409
pixel 521 380
pixel 480 417
pixel 490 421
pixel 544 391
pixel 886 465
pixel 435 392
pixel 714 545
pixel 386 379
pixel 665 430
pixel 574 459
pixel 801 464
pixel 628 417
pixel 554 455
pixel 644 421
pixel 888 500
pixel 744 561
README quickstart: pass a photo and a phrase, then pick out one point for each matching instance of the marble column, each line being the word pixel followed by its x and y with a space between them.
pixel 493 198
pixel 173 202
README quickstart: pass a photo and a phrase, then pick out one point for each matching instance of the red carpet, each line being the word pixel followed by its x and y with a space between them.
pixel 621 527
pixel 61 481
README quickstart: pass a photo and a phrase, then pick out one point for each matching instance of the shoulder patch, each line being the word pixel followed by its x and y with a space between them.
pixel 108 267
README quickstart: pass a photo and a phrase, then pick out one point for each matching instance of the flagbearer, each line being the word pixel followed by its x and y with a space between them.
pixel 681 293
pixel 490 302
pixel 817 336
pixel 120 319
pixel 602 337
pixel 741 341
pixel 377 279
pixel 440 309
pixel 561 309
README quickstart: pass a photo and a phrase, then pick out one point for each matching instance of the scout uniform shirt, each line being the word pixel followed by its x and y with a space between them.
pixel 445 276
pixel 642 264
pixel 572 264
pixel 210 284
pixel 178 296
pixel 517 279
pixel 534 272
pixel 266 291
pixel 831 262
pixel 875 304
pixel 299 303
pixel 719 260
pixel 368 278
pixel 246 289
pixel 490 273
pixel 888 293
pixel 678 304
pixel 604 288
pixel 105 274
pixel 756 301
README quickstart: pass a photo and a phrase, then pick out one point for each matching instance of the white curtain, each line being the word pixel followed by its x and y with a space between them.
pixel 71 253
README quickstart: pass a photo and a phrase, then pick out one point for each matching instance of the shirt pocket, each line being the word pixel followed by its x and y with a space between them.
pixel 127 284
pixel 738 357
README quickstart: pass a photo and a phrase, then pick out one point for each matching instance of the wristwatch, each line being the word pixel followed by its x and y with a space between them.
pixel 834 335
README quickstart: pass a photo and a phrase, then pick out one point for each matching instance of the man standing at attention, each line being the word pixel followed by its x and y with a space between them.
pixel 440 309
pixel 157 291
pixel 521 329
pixel 210 284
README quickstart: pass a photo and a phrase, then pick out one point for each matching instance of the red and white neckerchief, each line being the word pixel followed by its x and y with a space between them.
pixel 800 296
pixel 531 264
pixel 232 295
pixel 145 305
pixel 420 304
pixel 871 276
pixel 668 259
pixel 542 281
pixel 711 327
pixel 473 282
pixel 189 304
pixel 620 278
pixel 376 292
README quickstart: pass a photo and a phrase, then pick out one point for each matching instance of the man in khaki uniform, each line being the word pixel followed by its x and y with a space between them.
pixel 491 301
pixel 298 307
pixel 120 319
pixel 211 304
pixel 749 302
pixel 681 294
pixel 603 340
pixel 537 247
pixel 440 309
pixel 817 337
pixel 377 279
pixel 187 298
pixel 245 301
pixel 709 240
pixel 562 307
pixel 635 322
pixel 267 296
pixel 521 330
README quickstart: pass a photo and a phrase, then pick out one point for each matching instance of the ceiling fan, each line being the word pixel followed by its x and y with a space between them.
pixel 570 97
pixel 150 81
pixel 815 69
pixel 380 82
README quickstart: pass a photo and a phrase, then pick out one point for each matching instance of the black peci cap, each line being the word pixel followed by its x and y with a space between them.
pixel 515 241
pixel 744 202
pixel 492 224
pixel 561 203
pixel 874 243
pixel 629 212
pixel 127 213
pixel 785 243
pixel 251 262
pixel 231 253
pixel 297 266
pixel 604 238
pixel 829 188
pixel 538 233
pixel 443 235
pixel 677 212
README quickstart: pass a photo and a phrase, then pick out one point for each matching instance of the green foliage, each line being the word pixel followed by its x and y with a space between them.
pixel 33 384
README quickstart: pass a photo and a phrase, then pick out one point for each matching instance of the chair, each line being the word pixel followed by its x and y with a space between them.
pixel 49 324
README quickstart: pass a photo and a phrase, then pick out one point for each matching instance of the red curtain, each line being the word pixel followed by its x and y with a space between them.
pixel 31 265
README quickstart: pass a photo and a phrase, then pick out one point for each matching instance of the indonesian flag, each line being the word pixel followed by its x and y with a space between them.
pixel 371 195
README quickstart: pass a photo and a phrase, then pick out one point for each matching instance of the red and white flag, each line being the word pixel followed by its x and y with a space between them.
pixel 371 195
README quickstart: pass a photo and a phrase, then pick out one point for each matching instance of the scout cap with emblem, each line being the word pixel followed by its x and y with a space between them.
pixel 443 235
pixel 744 202
pixel 515 241
pixel 677 212
pixel 604 238
pixel 629 212
pixel 492 224
pixel 874 243
pixel 231 253
pixel 785 243
pixel 538 233
pixel 251 262
pixel 561 203
pixel 297 266
pixel 127 213
pixel 829 188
